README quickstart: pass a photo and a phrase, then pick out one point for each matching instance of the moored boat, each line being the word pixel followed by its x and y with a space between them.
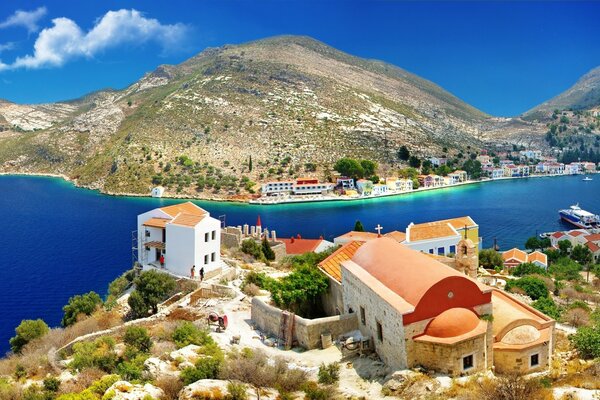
pixel 575 215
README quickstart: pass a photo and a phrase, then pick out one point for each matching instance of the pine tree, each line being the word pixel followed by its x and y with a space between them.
pixel 267 250
pixel 358 226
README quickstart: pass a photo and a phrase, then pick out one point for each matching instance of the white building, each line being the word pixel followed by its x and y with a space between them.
pixel 184 234
pixel 276 187
pixel 379 189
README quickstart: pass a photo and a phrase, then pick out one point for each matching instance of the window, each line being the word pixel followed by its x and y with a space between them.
pixel 430 251
pixel 534 360
pixel 453 249
pixel 441 251
pixel 206 237
pixel 212 257
pixel 379 332
pixel 206 259
pixel 468 362
pixel 214 235
pixel 362 316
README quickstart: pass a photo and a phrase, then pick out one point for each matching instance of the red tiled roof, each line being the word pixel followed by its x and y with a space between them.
pixel 592 246
pixel 575 233
pixel 558 234
pixel 593 238
pixel 332 265
pixel 186 208
pixel 537 256
pixel 300 246
pixel 514 254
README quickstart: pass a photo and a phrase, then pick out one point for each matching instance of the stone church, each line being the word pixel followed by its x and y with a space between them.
pixel 419 311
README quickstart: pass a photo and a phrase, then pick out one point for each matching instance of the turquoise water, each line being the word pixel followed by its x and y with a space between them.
pixel 59 240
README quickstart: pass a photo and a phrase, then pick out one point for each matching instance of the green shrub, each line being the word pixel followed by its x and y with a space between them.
pixel 101 385
pixel 565 269
pixel 20 372
pixel 313 391
pixel 98 354
pixel 237 391
pixel 205 368
pixel 138 338
pixel 27 331
pixel 528 269
pixel 301 291
pixel 249 246
pixel 51 384
pixel 587 341
pixel 547 306
pixel 187 333
pixel 84 304
pixel 329 373
pixel 132 368
pixel 533 287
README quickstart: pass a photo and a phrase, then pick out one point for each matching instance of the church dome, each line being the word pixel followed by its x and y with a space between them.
pixel 452 322
pixel 523 334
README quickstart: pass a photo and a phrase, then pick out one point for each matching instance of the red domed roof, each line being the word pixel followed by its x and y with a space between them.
pixel 452 322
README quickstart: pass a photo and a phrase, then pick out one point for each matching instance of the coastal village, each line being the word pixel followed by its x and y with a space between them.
pixel 527 163
pixel 424 312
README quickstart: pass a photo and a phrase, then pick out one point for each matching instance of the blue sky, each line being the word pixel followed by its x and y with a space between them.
pixel 501 57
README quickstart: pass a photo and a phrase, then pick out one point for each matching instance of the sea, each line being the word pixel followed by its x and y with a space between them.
pixel 58 240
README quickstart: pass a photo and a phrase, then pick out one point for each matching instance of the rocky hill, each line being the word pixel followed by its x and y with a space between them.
pixel 583 95
pixel 277 107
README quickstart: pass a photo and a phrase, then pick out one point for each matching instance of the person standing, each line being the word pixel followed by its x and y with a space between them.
pixel 162 260
pixel 201 274
pixel 193 271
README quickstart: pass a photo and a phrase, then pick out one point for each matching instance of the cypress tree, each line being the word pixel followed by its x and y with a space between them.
pixel 358 226
pixel 267 250
pixel 250 164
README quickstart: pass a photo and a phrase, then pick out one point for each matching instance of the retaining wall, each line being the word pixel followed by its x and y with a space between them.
pixel 307 332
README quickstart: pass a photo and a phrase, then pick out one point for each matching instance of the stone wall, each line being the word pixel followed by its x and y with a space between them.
pixel 390 348
pixel 307 332
pixel 448 359
pixel 333 302
pixel 507 361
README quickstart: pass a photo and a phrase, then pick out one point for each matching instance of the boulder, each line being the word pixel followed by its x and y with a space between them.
pixel 187 353
pixel 123 390
pixel 156 368
pixel 217 389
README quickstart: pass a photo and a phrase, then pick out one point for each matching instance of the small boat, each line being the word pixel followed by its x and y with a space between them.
pixel 575 215
pixel 587 178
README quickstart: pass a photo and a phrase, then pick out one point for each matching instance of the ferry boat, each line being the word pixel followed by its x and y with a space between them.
pixel 579 217
pixel 587 178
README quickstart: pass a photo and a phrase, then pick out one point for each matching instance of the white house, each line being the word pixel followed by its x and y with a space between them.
pixel 184 234
pixel 276 187
pixel 379 189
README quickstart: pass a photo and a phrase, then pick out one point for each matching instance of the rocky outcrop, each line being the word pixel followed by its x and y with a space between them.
pixel 123 390
pixel 217 389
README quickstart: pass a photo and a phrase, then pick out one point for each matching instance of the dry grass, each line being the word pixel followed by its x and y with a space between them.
pixel 170 385
pixel 185 314
pixel 163 330
pixel 162 348
pixel 577 317
pixel 84 379
pixel 251 290
pixel 512 387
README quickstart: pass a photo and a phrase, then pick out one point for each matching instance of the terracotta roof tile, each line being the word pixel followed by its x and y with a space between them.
pixel 593 238
pixel 300 246
pixel 332 265
pixel 514 254
pixel 558 234
pixel 397 236
pixel 592 246
pixel 187 208
pixel 157 222
pixel 575 233
pixel 359 236
pixel 430 231
pixel 537 256
pixel 189 220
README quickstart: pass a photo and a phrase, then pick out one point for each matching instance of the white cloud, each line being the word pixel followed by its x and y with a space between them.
pixel 27 19
pixel 65 40
pixel 7 46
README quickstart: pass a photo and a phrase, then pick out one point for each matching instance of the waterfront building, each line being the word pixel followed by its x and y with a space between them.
pixel 379 189
pixel 364 187
pixel 298 245
pixel 277 187
pixel 572 169
pixel 442 237
pixel 311 186
pixel 183 235
pixel 419 312
pixel 497 173
pixel 404 185
pixel 515 257
pixel 344 183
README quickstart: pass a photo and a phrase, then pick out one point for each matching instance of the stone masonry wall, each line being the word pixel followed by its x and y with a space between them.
pixel 449 358
pixel 307 332
pixel 518 361
pixel 356 295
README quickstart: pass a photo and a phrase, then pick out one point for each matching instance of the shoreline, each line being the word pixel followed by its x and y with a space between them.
pixel 284 201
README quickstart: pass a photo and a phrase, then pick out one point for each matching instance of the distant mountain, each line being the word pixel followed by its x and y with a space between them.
pixel 290 103
pixel 583 95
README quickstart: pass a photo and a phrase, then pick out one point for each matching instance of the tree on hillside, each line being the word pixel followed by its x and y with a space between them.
pixel 545 243
pixel 151 287
pixel 534 287
pixel 27 331
pixel 532 243
pixel 490 259
pixel 369 167
pixel 267 250
pixel 403 153
pixel 414 162
pixel 426 167
pixel 473 168
pixel 349 167
pixel 250 164
pixel 583 255
pixel 358 226
pixel 84 304
pixel 564 246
